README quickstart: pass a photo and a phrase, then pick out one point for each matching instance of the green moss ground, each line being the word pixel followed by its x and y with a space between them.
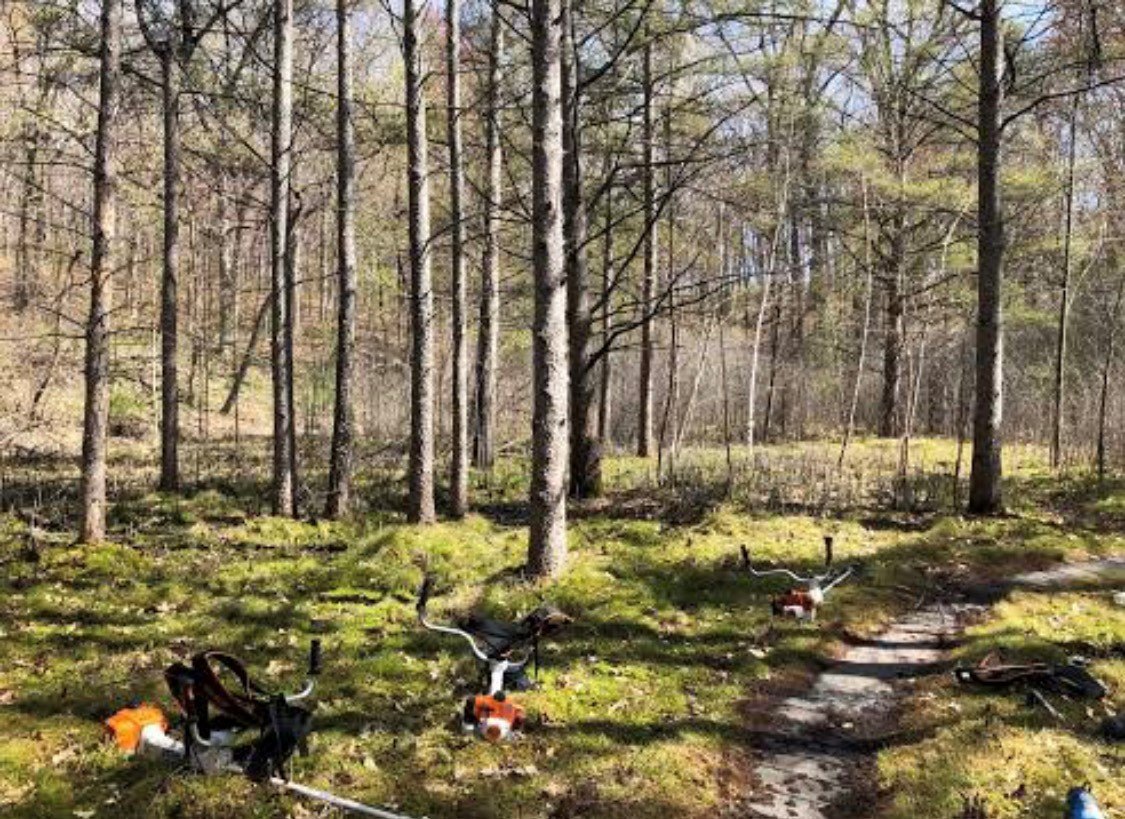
pixel 638 713
pixel 1021 760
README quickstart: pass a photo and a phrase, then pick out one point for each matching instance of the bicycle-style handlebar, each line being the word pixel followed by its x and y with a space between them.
pixel 314 657
pixel 812 580
pixel 424 594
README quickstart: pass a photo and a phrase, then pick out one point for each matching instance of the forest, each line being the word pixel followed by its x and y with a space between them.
pixel 735 383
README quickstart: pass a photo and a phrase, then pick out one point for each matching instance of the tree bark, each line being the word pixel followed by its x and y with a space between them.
pixel 421 500
pixel 585 447
pixel 459 466
pixel 343 426
pixel 984 481
pixel 488 338
pixel 96 412
pixel 281 161
pixel 644 398
pixel 169 281
pixel 547 548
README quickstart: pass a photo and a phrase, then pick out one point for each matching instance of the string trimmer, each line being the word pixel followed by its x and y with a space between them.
pixel 1070 678
pixel 230 723
pixel 801 603
pixel 503 650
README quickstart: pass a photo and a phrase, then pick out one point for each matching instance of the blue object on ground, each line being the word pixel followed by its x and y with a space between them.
pixel 1080 804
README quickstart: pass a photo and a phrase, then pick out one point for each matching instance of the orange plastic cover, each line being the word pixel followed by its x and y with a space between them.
pixel 485 707
pixel 127 724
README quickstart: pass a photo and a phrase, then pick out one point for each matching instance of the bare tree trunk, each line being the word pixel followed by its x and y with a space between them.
pixel 96 413
pixel 343 426
pixel 292 326
pixel 322 266
pixel 28 251
pixel 247 357
pixel 31 238
pixel 890 405
pixel 984 481
pixel 547 547
pixel 769 266
pixel 1064 292
pixel 775 362
pixel 849 425
pixel 228 284
pixel 281 161
pixel 672 392
pixel 755 358
pixel 726 403
pixel 1107 363
pixel 421 500
pixel 459 467
pixel 488 338
pixel 605 388
pixel 962 419
pixel 697 380
pixel 644 398
pixel 585 447
pixel 169 325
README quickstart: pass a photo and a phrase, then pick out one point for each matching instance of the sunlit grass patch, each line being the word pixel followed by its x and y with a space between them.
pixel 640 700
pixel 1020 759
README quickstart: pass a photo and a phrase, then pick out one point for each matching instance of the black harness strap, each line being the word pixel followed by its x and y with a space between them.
pixel 249 707
pixel 281 727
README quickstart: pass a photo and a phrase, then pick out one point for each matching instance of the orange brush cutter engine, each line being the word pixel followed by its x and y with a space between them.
pixel 797 603
pixel 492 717
pixel 128 726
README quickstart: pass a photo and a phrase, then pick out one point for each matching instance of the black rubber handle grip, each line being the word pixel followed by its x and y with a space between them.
pixel 745 557
pixel 314 657
pixel 829 541
pixel 425 592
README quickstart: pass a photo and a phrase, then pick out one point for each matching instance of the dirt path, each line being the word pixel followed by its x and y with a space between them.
pixel 809 764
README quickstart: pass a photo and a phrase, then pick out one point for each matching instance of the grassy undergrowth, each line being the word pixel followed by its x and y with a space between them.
pixel 638 712
pixel 1020 759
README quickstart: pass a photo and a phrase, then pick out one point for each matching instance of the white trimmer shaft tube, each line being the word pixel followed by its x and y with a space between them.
pixel 337 801
pixel 156 743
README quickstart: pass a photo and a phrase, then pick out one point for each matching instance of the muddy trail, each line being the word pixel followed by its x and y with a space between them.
pixel 813 758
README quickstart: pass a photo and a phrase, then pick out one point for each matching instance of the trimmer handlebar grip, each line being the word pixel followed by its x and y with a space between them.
pixel 424 593
pixel 745 557
pixel 314 657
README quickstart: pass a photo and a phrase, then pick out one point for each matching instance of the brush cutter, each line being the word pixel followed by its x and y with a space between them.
pixel 801 603
pixel 1070 678
pixel 503 650
pixel 230 723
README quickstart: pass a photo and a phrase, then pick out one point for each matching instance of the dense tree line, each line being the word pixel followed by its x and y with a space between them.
pixel 563 230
